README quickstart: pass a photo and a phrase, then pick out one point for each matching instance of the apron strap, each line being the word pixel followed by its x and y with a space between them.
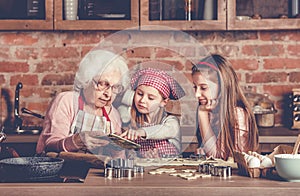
pixel 105 114
pixel 81 104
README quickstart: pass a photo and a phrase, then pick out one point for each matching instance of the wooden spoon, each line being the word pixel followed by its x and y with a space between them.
pixel 296 146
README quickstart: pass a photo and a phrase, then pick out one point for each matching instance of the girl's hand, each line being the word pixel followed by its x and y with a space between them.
pixel 133 134
pixel 200 151
pixel 210 105
pixel 152 154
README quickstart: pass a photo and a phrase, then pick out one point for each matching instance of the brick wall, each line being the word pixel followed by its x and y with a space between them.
pixel 45 62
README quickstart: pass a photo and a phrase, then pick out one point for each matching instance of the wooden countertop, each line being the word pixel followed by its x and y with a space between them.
pixel 96 184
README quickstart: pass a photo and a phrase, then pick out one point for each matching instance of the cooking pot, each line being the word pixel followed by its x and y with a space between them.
pixel 30 168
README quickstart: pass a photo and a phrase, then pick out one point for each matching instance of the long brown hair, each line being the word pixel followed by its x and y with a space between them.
pixel 231 96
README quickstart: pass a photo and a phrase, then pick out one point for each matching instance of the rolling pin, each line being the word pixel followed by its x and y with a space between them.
pixel 97 161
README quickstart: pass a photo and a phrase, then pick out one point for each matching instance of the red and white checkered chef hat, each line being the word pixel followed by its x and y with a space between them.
pixel 159 80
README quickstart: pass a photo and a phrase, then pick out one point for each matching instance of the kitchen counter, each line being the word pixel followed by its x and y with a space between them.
pixel 268 139
pixel 266 135
pixel 146 184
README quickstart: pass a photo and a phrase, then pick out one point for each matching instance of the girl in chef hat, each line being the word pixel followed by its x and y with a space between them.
pixel 225 122
pixel 157 131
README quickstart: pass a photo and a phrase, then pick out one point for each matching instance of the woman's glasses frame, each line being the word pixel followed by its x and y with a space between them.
pixel 103 85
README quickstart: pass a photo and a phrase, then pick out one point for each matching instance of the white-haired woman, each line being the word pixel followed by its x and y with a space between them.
pixel 75 118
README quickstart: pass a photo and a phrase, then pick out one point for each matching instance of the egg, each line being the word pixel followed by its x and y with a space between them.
pixel 266 162
pixel 247 157
pixel 253 162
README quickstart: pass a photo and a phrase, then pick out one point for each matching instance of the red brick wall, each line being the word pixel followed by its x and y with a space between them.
pixel 45 62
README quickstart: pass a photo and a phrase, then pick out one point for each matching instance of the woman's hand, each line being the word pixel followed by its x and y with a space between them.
pixel 88 140
pixel 132 134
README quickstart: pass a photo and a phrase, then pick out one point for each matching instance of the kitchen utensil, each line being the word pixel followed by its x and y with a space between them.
pixel 296 146
pixel 17 121
pixel 29 168
pixel 27 111
pixel 96 161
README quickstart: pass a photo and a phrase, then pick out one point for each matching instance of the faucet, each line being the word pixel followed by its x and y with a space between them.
pixel 17 121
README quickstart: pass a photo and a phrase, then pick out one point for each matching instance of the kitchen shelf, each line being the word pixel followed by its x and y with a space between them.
pixel 61 24
pixel 140 19
pixel 28 24
pixel 258 24
pixel 218 24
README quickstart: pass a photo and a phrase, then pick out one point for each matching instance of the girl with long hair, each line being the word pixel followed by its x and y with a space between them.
pixel 225 122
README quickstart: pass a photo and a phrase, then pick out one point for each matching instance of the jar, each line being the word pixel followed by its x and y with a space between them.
pixel 265 112
pixel 265 120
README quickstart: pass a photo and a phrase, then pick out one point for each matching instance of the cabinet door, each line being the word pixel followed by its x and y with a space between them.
pixel 183 14
pixel 105 15
pixel 21 19
pixel 260 15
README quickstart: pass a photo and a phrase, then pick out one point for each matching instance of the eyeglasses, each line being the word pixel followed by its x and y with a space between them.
pixel 104 85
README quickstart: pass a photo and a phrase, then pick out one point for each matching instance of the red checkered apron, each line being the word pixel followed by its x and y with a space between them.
pixel 163 146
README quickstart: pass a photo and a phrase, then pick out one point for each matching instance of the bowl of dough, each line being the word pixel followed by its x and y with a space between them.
pixel 288 166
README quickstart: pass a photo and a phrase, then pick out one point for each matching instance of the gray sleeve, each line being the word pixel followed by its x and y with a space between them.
pixel 168 129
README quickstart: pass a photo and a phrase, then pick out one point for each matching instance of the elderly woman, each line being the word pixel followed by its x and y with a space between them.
pixel 76 119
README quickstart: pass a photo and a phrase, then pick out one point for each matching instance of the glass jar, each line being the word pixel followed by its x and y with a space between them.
pixel 265 112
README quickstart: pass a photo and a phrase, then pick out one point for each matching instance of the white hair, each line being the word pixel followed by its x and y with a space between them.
pixel 98 62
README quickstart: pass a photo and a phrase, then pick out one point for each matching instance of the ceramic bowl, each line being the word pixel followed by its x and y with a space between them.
pixel 288 166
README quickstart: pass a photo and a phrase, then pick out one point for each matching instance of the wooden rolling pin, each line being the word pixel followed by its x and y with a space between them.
pixel 97 161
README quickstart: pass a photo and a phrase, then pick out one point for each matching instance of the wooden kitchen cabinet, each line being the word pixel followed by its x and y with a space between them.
pixel 152 15
pixel 109 23
pixel 30 24
pixel 175 15
pixel 269 10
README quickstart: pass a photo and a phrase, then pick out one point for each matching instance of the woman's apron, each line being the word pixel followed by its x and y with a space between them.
pixel 89 122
